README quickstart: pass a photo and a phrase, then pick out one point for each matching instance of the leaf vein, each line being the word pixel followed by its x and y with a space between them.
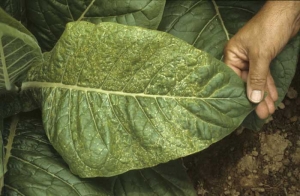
pixel 221 19
pixel 200 33
pixel 14 189
pixel 194 115
pixel 94 120
pixel 149 120
pixel 177 19
pixel 233 7
pixel 45 171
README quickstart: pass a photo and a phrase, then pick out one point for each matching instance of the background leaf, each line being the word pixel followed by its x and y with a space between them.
pixel 13 103
pixel 8 20
pixel 15 8
pixel 10 104
pixel 169 179
pixel 47 18
pixel 18 50
pixel 208 25
pixel 36 169
pixel 1 150
pixel 155 96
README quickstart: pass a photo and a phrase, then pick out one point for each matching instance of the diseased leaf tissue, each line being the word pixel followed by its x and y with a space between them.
pixel 118 101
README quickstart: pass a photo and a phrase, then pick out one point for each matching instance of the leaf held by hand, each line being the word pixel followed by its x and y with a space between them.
pixel 116 98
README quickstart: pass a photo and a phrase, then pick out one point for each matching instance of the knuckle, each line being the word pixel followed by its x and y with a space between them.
pixel 257 80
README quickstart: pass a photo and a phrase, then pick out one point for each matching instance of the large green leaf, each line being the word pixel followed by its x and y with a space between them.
pixel 34 168
pixel 116 98
pixel 18 50
pixel 208 25
pixel 47 18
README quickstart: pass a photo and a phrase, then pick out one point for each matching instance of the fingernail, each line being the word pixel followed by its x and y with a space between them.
pixel 256 96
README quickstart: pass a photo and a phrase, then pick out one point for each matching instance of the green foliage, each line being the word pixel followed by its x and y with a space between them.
pixel 18 50
pixel 136 85
pixel 208 25
pixel 118 100
pixel 35 168
pixel 47 18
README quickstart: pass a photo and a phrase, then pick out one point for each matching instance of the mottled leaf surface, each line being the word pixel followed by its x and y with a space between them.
pixel 116 98
pixel 47 18
pixel 18 50
pixel 34 168
pixel 208 25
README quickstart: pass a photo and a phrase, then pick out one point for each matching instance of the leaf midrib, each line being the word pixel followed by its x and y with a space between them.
pixel 4 67
pixel 221 19
pixel 86 10
pixel 34 84
pixel 10 139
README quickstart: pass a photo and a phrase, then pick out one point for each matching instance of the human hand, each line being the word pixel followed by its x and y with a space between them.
pixel 251 50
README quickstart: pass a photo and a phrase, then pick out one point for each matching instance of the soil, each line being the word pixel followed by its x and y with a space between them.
pixel 249 163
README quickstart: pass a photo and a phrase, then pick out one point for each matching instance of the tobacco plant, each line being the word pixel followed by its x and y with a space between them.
pixel 104 97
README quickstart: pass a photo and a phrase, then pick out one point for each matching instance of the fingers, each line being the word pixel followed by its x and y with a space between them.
pixel 272 87
pixel 262 110
pixel 265 108
pixel 255 71
pixel 257 78
pixel 234 59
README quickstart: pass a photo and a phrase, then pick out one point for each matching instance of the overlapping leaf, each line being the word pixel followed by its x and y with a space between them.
pixel 34 168
pixel 18 50
pixel 169 179
pixel 14 103
pixel 47 18
pixel 208 25
pixel 116 98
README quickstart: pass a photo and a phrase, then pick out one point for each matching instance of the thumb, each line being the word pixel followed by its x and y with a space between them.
pixel 257 78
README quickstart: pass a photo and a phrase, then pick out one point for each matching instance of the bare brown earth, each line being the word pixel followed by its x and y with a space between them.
pixel 249 163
